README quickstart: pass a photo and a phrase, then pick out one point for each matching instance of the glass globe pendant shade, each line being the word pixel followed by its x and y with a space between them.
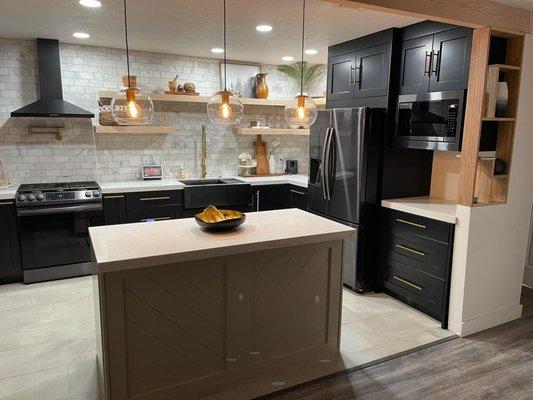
pixel 301 112
pixel 131 106
pixel 225 108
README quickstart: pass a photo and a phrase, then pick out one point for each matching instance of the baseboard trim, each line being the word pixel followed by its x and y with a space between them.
pixel 490 320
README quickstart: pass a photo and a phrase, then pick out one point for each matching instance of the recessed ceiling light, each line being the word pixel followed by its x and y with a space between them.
pixel 217 50
pixel 91 3
pixel 263 28
pixel 287 58
pixel 311 52
pixel 81 35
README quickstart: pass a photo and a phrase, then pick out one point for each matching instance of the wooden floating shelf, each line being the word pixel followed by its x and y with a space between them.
pixel 135 129
pixel 272 131
pixel 499 119
pixel 108 94
pixel 505 67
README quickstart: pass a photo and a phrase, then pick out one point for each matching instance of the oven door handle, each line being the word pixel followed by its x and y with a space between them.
pixel 58 210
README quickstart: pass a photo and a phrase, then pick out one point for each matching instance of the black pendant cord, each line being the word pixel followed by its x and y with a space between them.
pixel 127 45
pixel 303 44
pixel 225 56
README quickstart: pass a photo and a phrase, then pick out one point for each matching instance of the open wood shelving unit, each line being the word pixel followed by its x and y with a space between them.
pixel 507 48
pixel 134 129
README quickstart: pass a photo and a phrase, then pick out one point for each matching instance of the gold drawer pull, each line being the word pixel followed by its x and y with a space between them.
pixel 155 219
pixel 297 192
pixel 403 221
pixel 155 198
pixel 407 283
pixel 118 196
pixel 410 249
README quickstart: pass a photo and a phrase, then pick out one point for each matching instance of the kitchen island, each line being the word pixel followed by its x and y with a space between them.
pixel 183 313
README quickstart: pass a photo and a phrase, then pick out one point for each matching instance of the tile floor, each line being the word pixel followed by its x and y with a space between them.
pixel 47 337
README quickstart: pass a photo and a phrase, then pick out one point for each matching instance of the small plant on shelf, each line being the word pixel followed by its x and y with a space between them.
pixel 311 73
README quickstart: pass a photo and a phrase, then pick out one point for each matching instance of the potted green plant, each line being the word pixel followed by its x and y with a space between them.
pixel 311 73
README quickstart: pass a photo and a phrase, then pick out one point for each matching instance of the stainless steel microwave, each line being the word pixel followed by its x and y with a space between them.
pixel 430 121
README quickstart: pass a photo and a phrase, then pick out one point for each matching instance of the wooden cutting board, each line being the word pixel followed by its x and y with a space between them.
pixel 260 151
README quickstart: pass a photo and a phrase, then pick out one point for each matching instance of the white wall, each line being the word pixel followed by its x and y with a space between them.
pixel 492 241
pixel 83 155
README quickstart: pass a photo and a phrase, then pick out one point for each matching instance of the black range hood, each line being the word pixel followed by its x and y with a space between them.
pixel 51 103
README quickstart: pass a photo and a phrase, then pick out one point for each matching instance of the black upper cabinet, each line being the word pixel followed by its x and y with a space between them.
pixel 415 66
pixel 359 70
pixel 435 62
pixel 451 60
pixel 10 263
pixel 340 77
pixel 371 71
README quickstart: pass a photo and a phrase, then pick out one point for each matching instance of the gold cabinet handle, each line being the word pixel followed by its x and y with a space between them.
pixel 118 196
pixel 155 219
pixel 403 221
pixel 154 198
pixel 297 192
pixel 410 249
pixel 407 283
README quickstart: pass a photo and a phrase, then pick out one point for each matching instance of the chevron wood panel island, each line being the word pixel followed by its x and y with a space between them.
pixel 187 314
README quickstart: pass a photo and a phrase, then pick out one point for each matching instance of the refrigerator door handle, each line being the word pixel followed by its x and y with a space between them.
pixel 328 163
pixel 323 166
pixel 332 167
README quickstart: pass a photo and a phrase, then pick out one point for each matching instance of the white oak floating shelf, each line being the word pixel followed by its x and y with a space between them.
pixel 108 94
pixel 272 131
pixel 135 129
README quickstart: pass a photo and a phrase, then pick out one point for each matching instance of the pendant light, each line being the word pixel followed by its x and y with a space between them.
pixel 130 105
pixel 301 112
pixel 224 107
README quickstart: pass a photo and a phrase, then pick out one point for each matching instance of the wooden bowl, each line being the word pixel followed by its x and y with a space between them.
pixel 222 225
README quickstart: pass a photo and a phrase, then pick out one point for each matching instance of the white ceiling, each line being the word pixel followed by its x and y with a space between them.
pixel 193 27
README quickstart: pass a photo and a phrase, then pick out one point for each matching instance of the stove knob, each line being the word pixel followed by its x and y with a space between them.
pixel 96 193
pixel 21 197
pixel 31 197
pixel 88 194
pixel 40 196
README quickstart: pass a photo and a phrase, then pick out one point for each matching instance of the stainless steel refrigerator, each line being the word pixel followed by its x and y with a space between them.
pixel 344 175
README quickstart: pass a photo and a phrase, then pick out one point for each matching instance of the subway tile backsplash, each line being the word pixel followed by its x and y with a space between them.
pixel 82 154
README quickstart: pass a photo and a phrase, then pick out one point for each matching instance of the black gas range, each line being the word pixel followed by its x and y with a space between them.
pixel 54 219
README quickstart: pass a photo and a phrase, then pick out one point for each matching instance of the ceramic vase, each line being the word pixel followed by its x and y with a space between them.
pixel 502 99
pixel 261 87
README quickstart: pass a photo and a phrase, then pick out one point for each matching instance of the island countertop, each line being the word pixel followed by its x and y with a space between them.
pixel 129 246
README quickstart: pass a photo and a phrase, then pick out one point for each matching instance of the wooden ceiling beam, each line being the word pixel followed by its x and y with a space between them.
pixel 475 13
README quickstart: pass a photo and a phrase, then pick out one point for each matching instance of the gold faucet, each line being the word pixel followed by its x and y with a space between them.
pixel 203 154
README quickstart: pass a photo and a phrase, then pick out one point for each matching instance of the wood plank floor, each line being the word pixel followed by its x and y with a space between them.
pixel 494 364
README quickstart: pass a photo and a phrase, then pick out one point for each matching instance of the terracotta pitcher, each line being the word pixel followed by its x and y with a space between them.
pixel 261 87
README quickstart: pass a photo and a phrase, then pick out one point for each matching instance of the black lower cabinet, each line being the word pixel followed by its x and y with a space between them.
pixel 415 258
pixel 10 262
pixel 154 206
pixel 114 209
pixel 297 197
pixel 270 197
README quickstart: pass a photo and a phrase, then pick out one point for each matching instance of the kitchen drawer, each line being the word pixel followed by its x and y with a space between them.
pixel 153 213
pixel 424 254
pixel 416 288
pixel 402 224
pixel 149 199
pixel 298 197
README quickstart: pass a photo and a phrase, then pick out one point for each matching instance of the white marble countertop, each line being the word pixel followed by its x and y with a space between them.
pixel 297 180
pixel 140 186
pixel 8 193
pixel 429 207
pixel 128 246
